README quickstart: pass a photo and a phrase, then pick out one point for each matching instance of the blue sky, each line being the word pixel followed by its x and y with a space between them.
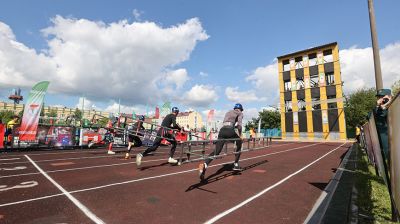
pixel 233 46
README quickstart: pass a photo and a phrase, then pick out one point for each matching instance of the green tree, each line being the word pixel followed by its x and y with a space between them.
pixel 78 114
pixel 358 105
pixel 52 113
pixel 6 116
pixel 396 88
pixel 269 119
pixel 102 122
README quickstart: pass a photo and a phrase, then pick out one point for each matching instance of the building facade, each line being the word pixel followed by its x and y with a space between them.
pixel 62 112
pixel 311 96
pixel 191 119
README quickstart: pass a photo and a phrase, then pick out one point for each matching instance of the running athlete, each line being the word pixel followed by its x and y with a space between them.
pixel 168 122
pixel 133 139
pixel 233 119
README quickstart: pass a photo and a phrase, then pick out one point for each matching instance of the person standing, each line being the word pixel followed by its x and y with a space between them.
pixel 9 128
pixel 231 129
pixel 167 124
pixel 358 132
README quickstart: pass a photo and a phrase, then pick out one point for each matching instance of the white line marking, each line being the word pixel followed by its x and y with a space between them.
pixel 9 159
pixel 146 178
pixel 25 184
pixel 73 158
pixel 13 168
pixel 226 212
pixel 83 208
pixel 99 166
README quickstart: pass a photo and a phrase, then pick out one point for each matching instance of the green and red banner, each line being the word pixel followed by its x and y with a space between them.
pixel 32 109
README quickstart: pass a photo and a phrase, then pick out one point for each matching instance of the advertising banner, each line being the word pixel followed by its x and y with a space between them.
pixel 30 118
pixel 295 118
pixel 321 79
pixel 394 148
pixel 325 117
pixel 379 161
pixel 2 132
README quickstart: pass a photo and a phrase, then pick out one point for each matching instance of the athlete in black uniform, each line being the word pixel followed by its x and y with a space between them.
pixel 168 122
pixel 133 139
pixel 233 119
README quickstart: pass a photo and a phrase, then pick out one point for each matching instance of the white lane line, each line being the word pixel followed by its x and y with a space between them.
pixel 83 208
pixel 81 168
pixel 10 159
pixel 226 212
pixel 13 168
pixel 73 158
pixel 26 184
pixel 99 166
pixel 146 178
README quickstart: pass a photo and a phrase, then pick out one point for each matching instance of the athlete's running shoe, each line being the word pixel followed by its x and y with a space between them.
pixel 172 160
pixel 202 170
pixel 139 159
pixel 109 152
pixel 236 167
pixel 127 155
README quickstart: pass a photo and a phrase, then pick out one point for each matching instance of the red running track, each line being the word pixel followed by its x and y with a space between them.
pixel 279 184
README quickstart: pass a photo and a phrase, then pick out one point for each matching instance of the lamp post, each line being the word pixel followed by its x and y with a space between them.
pixel 375 48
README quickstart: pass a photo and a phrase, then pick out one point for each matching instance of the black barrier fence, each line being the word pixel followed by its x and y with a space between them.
pixel 380 137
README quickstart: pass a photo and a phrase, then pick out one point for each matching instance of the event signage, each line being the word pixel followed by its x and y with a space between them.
pixel 30 118
pixel 321 79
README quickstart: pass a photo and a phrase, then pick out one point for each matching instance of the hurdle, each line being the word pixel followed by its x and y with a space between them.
pixel 188 149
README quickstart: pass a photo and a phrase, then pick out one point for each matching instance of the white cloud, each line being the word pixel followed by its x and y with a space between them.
pixel 86 103
pixel 105 61
pixel 137 14
pixel 203 74
pixel 178 78
pixel 233 94
pixel 200 96
pixel 250 113
pixel 265 80
pixel 357 67
pixel 115 107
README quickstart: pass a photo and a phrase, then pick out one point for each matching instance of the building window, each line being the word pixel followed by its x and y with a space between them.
pixel 288 105
pixel 300 84
pixel 312 59
pixel 314 81
pixel 288 86
pixel 286 65
pixel 330 78
pixel 301 104
pixel 299 62
pixel 316 104
pixel 328 57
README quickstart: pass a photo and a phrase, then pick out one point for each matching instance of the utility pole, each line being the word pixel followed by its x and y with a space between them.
pixel 375 48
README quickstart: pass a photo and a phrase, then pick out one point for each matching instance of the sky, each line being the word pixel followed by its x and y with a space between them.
pixel 199 55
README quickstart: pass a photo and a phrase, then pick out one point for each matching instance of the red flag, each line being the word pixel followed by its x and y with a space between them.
pixel 157 115
pixel 210 115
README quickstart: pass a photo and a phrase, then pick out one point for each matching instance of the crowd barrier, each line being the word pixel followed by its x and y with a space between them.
pixel 380 137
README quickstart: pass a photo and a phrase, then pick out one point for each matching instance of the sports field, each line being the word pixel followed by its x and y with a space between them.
pixel 279 184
